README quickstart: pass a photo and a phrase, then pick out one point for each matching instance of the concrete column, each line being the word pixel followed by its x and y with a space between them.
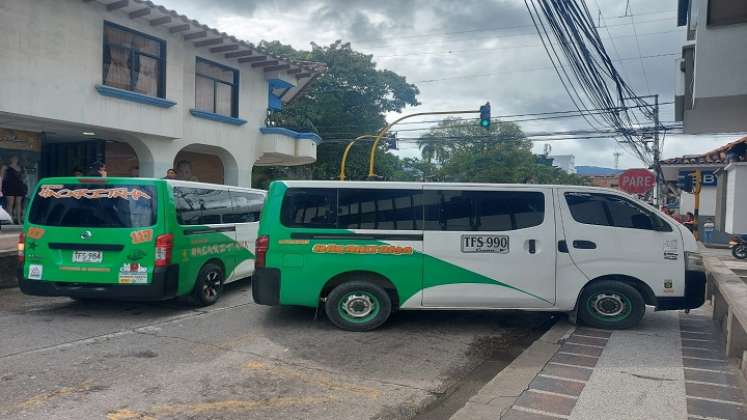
pixel 736 337
pixel 155 156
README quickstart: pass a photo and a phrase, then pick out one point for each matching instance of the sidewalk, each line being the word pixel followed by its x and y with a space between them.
pixel 671 367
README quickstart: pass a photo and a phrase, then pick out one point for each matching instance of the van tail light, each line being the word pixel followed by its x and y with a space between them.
pixel 164 248
pixel 21 247
pixel 261 246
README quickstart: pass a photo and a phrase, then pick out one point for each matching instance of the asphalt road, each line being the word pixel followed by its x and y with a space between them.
pixel 61 359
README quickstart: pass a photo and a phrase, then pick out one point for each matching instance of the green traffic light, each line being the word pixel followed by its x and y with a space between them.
pixel 485 123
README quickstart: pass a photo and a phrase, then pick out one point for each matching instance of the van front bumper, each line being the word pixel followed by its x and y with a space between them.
pixel 163 286
pixel 266 286
pixel 694 294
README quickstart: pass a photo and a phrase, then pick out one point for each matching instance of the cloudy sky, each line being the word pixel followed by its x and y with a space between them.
pixel 463 53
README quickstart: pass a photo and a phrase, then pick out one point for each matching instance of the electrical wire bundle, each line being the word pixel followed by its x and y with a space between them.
pixel 587 73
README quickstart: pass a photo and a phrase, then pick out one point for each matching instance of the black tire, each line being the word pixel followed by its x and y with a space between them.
pixel 209 285
pixel 739 252
pixel 358 305
pixel 611 304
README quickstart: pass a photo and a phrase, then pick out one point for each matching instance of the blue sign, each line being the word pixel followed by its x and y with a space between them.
pixel 707 178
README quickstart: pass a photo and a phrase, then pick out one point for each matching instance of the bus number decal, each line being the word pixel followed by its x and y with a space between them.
pixel 141 236
pixel 35 233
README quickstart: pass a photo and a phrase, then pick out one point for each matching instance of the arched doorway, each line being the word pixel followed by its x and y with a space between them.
pixel 206 163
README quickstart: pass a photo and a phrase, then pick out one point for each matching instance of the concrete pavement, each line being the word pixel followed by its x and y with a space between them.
pixel 672 366
pixel 61 359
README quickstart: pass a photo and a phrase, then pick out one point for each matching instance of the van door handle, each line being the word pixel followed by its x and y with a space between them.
pixel 584 245
pixel 532 246
pixel 563 247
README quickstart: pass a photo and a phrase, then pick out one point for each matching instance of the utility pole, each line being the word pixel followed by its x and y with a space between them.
pixel 617 159
pixel 655 149
pixel 657 155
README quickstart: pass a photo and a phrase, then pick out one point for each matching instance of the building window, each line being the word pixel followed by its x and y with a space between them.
pixel 133 61
pixel 216 89
pixel 726 12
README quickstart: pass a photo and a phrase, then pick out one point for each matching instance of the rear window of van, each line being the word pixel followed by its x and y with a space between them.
pixel 94 205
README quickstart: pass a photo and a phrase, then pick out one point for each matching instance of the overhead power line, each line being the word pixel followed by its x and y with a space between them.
pixel 493 28
pixel 470 76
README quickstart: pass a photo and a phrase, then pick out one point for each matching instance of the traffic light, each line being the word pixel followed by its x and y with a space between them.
pixel 391 143
pixel 685 182
pixel 485 115
pixel 690 182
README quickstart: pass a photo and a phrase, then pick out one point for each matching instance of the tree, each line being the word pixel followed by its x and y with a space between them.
pixel 350 99
pixel 500 154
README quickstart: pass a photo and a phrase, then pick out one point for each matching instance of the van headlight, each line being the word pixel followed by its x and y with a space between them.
pixel 694 262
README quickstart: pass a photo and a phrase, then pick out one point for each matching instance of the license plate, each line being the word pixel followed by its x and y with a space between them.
pixel 485 243
pixel 87 256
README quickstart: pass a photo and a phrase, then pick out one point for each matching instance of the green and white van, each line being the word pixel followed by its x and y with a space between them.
pixel 137 238
pixel 365 249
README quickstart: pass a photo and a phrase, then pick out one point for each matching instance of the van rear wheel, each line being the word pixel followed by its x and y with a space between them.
pixel 209 285
pixel 611 305
pixel 358 306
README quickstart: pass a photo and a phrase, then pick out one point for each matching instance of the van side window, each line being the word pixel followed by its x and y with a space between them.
pixel 483 210
pixel 309 207
pixel 380 209
pixel 201 206
pixel 245 207
pixel 611 210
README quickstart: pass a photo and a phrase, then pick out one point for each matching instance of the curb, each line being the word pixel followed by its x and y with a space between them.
pixel 498 395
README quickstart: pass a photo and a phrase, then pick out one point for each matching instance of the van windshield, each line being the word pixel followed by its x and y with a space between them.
pixel 94 205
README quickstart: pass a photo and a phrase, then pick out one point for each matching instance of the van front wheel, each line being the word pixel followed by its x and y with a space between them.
pixel 209 285
pixel 611 305
pixel 358 306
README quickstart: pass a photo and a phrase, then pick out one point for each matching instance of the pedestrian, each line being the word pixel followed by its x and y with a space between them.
pixel 97 168
pixel 184 171
pixel 14 188
pixel 689 221
pixel 708 228
pixel 170 174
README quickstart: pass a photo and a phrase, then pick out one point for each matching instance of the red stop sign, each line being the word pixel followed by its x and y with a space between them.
pixel 637 181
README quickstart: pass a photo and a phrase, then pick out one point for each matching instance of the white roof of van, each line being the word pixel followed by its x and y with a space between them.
pixel 416 185
pixel 207 185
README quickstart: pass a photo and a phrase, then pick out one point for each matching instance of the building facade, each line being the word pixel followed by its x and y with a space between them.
pixel 143 89
pixel 723 194
pixel 711 92
pixel 566 163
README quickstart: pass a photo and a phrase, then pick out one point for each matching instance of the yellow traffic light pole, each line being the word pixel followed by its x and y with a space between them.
pixel 385 130
pixel 345 154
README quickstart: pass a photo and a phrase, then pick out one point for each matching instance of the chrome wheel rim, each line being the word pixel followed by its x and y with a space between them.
pixel 358 305
pixel 608 304
pixel 211 285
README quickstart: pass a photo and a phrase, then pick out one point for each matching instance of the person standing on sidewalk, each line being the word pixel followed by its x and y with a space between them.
pixel 708 228
pixel 14 188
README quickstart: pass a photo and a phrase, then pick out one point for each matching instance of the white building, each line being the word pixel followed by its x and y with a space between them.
pixel 723 195
pixel 142 88
pixel 711 94
pixel 567 163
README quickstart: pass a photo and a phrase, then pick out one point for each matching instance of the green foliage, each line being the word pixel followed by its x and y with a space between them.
pixel 463 151
pixel 350 99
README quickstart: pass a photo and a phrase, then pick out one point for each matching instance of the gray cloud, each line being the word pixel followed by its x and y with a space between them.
pixel 448 39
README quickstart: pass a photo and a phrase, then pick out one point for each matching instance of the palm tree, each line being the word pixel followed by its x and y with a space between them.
pixel 432 149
